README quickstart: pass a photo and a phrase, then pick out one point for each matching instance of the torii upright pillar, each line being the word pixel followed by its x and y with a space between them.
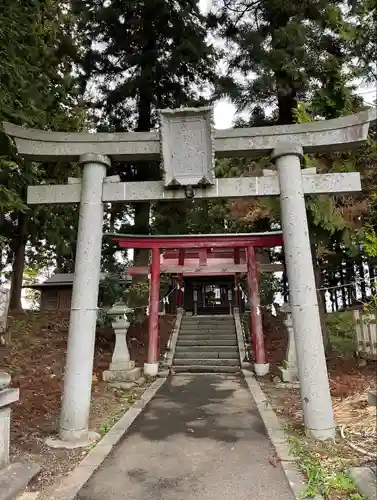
pixel 78 374
pixel 314 382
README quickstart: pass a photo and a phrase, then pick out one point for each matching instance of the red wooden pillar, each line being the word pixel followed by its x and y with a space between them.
pixel 151 367
pixel 181 262
pixel 260 366
pixel 236 277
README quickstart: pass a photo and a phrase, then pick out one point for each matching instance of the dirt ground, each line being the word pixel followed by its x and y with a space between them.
pixel 346 376
pixel 36 360
pixel 349 383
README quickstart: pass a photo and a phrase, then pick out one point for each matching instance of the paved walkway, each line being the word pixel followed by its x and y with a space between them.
pixel 200 437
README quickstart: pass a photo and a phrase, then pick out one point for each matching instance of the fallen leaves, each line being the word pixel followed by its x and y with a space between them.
pixel 35 359
pixel 274 460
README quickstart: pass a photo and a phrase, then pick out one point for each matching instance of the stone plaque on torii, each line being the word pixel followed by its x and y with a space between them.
pixel 187 145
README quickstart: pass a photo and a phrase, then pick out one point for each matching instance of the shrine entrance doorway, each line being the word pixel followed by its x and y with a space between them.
pixel 216 299
pixel 210 295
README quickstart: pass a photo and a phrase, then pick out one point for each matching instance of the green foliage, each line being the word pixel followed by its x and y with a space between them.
pixel 30 277
pixel 37 89
pixel 111 291
pixel 324 476
pixel 370 241
pixel 370 308
pixel 137 297
pixel 269 286
pixel 156 55
pixel 341 324
pixel 293 49
pixel 298 58
pixel 361 38
pixel 144 56
pixel 128 398
pixel 342 333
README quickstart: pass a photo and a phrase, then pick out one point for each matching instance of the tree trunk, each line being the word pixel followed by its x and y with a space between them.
pixel 142 215
pixel 145 171
pixel 19 245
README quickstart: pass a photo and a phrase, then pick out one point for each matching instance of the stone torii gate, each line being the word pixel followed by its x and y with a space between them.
pixel 187 145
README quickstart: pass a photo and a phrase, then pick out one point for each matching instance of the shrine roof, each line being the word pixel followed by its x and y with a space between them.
pixel 198 235
pixel 223 240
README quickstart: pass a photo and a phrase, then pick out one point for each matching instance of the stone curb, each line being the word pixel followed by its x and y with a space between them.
pixel 68 488
pixel 173 339
pixel 366 480
pixel 240 341
pixel 277 437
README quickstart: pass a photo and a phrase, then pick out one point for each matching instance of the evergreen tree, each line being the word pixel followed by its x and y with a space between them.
pixel 287 52
pixel 362 39
pixel 37 89
pixel 142 56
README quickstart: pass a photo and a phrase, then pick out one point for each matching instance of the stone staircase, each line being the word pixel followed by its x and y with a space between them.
pixel 207 344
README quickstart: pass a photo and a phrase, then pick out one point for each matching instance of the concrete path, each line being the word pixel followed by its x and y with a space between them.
pixel 200 437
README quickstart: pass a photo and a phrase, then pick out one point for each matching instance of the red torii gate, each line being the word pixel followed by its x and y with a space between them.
pixel 205 244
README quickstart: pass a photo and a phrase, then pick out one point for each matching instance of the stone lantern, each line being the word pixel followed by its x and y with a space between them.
pixel 15 476
pixel 289 370
pixel 122 370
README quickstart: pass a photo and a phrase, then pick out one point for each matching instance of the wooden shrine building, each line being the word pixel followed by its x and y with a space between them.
pixel 207 269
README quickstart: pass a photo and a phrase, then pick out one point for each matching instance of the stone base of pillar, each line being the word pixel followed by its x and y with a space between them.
pixel 7 397
pixel 287 385
pixel 261 369
pixel 320 434
pixel 119 366
pixel 126 386
pixel 288 374
pixel 151 369
pixel 71 440
pixel 121 374
pixel 4 436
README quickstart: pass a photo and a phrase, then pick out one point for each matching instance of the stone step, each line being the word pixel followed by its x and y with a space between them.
pixel 193 331
pixel 206 369
pixel 206 333
pixel 192 354
pixel 205 348
pixel 206 361
pixel 208 325
pixel 215 323
pixel 207 316
pixel 209 342
pixel 204 338
pixel 208 319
